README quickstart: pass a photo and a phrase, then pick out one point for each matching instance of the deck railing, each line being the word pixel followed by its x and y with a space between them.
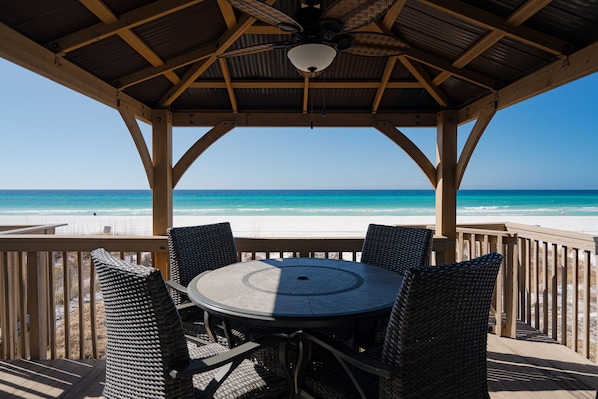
pixel 48 282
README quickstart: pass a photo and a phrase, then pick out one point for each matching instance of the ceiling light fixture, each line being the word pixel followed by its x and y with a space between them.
pixel 311 58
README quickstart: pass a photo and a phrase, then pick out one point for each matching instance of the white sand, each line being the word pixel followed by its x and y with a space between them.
pixel 286 226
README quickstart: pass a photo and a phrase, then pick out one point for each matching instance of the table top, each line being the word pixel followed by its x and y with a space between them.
pixel 296 292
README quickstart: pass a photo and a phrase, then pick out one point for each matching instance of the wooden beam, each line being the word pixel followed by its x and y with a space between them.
pixel 472 140
pixel 300 84
pixel 126 21
pixel 108 17
pixel 296 119
pixel 139 141
pixel 198 148
pixel 391 16
pixel 223 43
pixel 526 11
pixel 410 148
pixel 441 64
pixel 422 76
pixel 390 63
pixel 227 13
pixel 446 190
pixel 162 191
pixel 573 67
pixel 18 49
pixel 487 20
pixel 229 87
pixel 151 72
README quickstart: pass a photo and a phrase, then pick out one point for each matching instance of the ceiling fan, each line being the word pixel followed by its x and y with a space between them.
pixel 318 34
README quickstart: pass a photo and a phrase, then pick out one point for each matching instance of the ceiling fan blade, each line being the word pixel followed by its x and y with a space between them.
pixel 376 45
pixel 260 48
pixel 267 14
pixel 356 13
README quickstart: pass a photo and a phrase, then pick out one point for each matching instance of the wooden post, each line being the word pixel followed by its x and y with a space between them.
pixel 446 190
pixel 37 304
pixel 162 190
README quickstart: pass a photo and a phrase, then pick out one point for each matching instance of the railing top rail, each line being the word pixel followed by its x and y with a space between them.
pixel 84 243
pixel 566 238
pixel 29 229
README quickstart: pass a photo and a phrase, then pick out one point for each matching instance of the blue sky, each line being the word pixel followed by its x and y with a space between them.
pixel 55 138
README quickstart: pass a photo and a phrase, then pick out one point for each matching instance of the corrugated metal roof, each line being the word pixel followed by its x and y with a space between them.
pixel 267 82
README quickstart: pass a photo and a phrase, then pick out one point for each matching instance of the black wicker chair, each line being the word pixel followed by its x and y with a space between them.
pixel 395 248
pixel 194 250
pixel 147 355
pixel 435 344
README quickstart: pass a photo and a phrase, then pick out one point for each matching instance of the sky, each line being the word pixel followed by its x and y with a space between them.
pixel 55 138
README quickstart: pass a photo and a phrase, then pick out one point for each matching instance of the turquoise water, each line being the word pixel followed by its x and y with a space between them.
pixel 299 202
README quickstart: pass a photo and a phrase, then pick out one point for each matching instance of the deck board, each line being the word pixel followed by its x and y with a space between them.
pixel 531 366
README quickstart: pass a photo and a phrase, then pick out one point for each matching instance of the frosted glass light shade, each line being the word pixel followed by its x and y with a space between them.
pixel 311 57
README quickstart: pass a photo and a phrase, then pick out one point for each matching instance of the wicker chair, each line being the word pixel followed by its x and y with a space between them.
pixel 147 355
pixel 395 248
pixel 194 250
pixel 435 345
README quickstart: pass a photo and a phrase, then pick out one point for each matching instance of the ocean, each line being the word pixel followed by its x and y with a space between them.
pixel 298 202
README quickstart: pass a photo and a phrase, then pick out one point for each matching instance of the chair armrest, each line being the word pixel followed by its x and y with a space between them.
pixel 234 355
pixel 345 354
pixel 176 286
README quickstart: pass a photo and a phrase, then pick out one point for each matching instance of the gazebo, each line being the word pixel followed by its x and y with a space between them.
pixel 384 64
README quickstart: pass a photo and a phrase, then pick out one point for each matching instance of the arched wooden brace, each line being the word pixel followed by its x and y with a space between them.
pixel 410 148
pixel 199 147
pixel 475 135
pixel 128 116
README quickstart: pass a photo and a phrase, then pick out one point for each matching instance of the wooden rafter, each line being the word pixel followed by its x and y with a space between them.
pixel 151 72
pixel 522 14
pixel 125 21
pixel 487 20
pixel 28 54
pixel 560 72
pixel 421 75
pixel 223 43
pixel 383 85
pixel 229 87
pixel 108 17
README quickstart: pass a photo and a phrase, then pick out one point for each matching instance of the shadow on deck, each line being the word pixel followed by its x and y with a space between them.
pixel 531 366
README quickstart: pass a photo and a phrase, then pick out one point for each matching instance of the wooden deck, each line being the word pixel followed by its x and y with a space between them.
pixel 531 366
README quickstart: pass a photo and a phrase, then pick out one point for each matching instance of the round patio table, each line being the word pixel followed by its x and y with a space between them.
pixel 296 292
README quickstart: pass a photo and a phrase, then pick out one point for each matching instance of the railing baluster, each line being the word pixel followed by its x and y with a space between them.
pixel 564 296
pixel 81 290
pixel 575 301
pixel 586 304
pixel 52 308
pixel 554 291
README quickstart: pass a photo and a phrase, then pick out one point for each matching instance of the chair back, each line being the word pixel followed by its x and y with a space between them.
pixel 397 248
pixel 145 336
pixel 438 328
pixel 196 249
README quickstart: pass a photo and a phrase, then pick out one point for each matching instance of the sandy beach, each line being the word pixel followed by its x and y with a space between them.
pixel 285 226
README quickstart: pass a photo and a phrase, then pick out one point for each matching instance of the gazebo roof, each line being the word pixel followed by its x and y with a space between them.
pixel 463 55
